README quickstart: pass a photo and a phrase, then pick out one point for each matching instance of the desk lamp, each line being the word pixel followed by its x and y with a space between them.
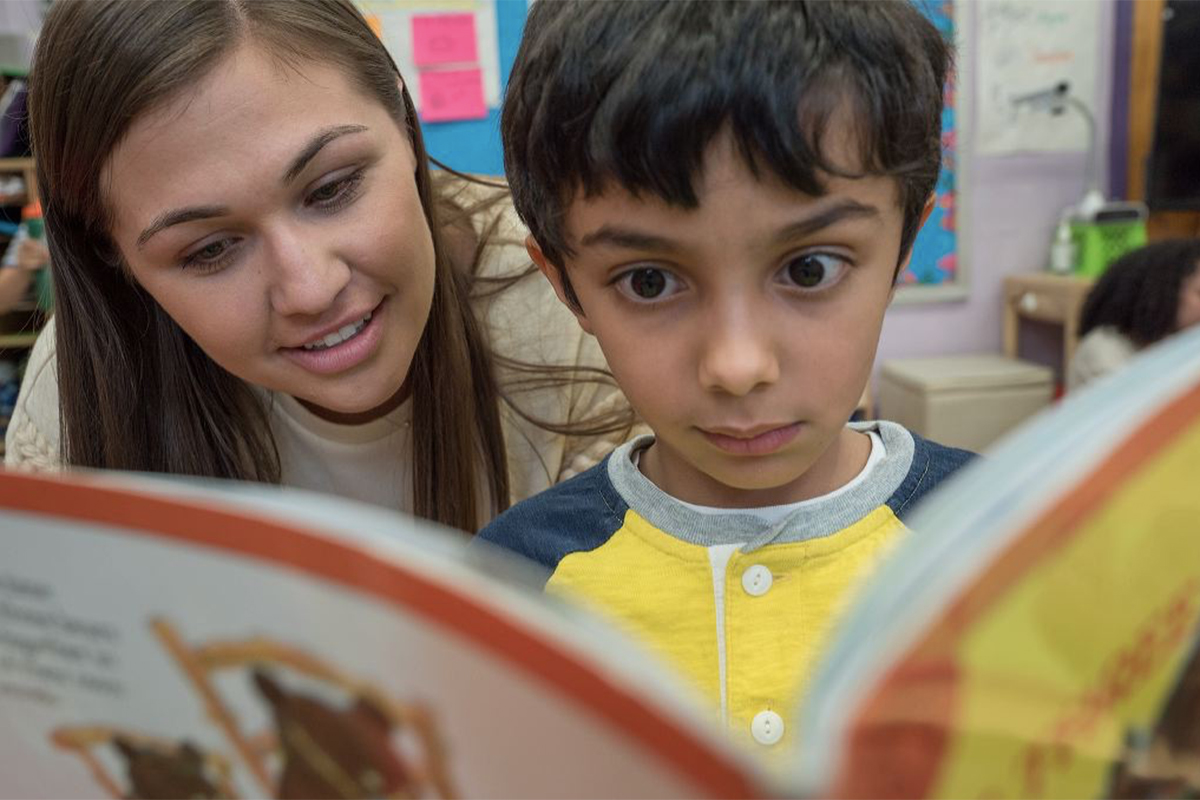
pixel 1095 232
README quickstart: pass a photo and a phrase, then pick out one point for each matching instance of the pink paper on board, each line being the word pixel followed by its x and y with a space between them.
pixel 444 39
pixel 452 94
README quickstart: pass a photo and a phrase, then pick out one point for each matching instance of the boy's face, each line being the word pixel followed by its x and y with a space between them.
pixel 743 331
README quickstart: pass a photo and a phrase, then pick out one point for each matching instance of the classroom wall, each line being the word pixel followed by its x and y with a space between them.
pixel 1013 203
pixel 19 22
pixel 21 16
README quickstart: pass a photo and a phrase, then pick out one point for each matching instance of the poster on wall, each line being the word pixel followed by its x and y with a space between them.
pixel 447 51
pixel 1026 46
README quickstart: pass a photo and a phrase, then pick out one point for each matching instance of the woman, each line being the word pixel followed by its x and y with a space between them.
pixel 1145 296
pixel 257 278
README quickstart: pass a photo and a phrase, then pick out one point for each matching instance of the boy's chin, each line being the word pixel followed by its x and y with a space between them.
pixel 754 482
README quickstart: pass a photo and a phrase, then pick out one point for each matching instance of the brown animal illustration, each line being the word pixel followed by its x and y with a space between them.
pixel 331 752
pixel 166 774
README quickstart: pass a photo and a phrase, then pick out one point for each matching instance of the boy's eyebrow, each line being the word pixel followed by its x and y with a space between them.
pixel 191 213
pixel 632 239
pixel 844 209
pixel 627 238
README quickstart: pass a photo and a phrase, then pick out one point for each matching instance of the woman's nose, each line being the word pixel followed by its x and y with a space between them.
pixel 305 277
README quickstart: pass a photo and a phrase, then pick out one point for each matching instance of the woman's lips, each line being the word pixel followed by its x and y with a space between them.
pixel 756 444
pixel 344 355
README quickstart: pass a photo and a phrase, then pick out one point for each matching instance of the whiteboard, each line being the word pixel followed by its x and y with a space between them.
pixel 1025 46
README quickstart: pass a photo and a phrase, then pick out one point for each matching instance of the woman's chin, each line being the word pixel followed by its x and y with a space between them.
pixel 355 413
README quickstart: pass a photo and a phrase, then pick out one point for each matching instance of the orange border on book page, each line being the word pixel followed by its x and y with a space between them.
pixel 262 538
pixel 936 667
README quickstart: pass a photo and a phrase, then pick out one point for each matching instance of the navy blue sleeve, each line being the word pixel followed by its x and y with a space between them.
pixel 932 464
pixel 577 515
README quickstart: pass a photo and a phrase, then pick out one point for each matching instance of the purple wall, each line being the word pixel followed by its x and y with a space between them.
pixel 1014 203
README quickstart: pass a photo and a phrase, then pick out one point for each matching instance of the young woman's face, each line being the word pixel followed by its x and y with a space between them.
pixel 273 213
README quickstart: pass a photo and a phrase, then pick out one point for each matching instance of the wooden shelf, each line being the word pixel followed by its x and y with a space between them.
pixel 1046 297
pixel 28 171
pixel 15 326
pixel 14 341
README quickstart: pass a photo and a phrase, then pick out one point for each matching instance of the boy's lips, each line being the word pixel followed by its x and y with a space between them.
pixel 756 441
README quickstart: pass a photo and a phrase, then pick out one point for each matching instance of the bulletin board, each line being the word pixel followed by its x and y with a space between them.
pixel 455 56
pixel 936 269
pixel 464 49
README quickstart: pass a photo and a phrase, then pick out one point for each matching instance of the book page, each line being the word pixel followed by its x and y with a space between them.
pixel 158 639
pixel 1038 636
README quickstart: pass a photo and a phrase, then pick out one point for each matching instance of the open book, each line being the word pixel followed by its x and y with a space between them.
pixel 1034 637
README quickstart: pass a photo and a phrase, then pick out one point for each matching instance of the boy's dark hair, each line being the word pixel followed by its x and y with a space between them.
pixel 1139 293
pixel 634 92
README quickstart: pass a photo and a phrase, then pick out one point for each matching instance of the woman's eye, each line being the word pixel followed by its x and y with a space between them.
pixel 327 192
pixel 815 271
pixel 210 257
pixel 647 284
pixel 335 193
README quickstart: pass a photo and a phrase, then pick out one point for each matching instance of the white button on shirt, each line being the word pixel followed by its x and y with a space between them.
pixel 767 727
pixel 756 580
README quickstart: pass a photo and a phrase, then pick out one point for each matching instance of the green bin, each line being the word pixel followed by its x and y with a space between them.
pixel 1099 243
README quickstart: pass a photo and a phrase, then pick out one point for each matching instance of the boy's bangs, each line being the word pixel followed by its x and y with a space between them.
pixel 662 154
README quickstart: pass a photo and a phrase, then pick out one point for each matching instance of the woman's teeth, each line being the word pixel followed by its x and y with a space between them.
pixel 340 335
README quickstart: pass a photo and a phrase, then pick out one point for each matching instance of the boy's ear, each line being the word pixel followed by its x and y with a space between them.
pixel 925 212
pixel 555 275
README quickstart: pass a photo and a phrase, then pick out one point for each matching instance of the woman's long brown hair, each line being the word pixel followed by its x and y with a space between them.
pixel 136 392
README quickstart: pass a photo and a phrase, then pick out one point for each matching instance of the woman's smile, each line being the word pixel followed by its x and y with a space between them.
pixel 345 347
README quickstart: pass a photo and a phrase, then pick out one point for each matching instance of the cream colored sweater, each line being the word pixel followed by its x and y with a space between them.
pixel 373 462
pixel 1102 351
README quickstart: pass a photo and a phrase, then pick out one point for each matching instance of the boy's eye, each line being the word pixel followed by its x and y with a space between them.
pixel 646 284
pixel 815 271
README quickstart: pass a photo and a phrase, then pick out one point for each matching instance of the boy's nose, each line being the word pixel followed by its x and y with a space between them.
pixel 738 355
pixel 305 278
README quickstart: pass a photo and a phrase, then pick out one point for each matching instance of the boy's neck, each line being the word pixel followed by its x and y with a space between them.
pixel 840 463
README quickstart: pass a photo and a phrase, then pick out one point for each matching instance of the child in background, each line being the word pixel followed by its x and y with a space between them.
pixel 1143 297
pixel 724 193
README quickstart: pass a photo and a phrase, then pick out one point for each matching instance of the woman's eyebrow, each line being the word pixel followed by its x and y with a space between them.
pixel 314 146
pixel 178 216
pixel 192 213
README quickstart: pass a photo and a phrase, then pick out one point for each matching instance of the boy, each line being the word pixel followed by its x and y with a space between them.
pixel 724 193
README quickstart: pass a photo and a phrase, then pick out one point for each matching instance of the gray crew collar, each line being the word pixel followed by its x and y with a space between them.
pixel 812 521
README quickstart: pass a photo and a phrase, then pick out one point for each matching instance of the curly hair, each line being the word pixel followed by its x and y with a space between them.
pixel 1139 293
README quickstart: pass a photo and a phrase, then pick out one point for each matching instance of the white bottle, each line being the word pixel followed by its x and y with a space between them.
pixel 1062 250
